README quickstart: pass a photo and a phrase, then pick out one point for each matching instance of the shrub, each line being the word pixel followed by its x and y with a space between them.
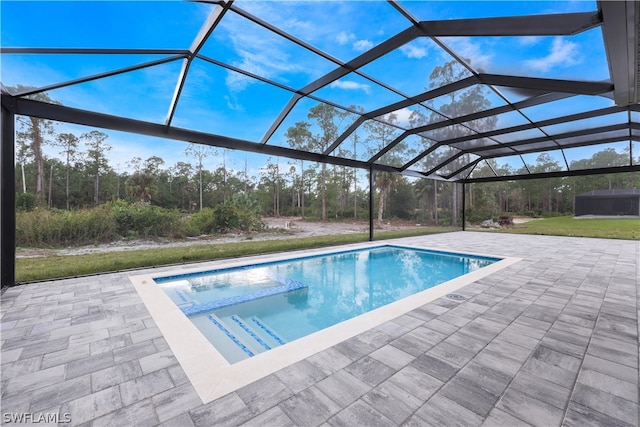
pixel 226 218
pixel 477 215
pixel 203 222
pixel 241 213
pixel 145 220
pixel 25 202
pixel 45 227
pixel 118 219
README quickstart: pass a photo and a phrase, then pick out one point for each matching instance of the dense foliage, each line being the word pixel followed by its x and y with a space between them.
pixel 118 220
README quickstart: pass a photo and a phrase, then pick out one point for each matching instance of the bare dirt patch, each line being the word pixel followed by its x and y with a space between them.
pixel 277 228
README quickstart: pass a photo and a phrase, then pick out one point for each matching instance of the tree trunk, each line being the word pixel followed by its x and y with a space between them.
pixel 66 190
pixel 381 205
pixel 38 158
pixel 302 185
pixel 323 190
pixel 201 186
pixel 355 195
pixel 50 199
pixel 435 202
pixel 454 204
pixel 96 190
pixel 24 182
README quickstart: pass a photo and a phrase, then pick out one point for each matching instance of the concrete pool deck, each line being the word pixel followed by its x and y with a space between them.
pixel 549 340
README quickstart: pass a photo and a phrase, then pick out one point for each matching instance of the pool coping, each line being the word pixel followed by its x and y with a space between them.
pixel 210 373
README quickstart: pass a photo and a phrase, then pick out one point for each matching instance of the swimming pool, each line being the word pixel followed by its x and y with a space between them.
pixel 213 376
pixel 244 311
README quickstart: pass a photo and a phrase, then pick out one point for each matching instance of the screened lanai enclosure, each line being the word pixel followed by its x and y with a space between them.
pixel 454 92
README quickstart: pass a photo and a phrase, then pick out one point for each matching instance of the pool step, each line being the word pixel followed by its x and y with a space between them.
pixel 254 333
pixel 238 338
pixel 244 329
pixel 271 335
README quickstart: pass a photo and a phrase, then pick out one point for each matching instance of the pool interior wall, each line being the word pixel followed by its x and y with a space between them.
pixel 244 311
pixel 213 376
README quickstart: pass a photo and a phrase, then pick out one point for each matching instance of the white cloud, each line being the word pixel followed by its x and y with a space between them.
pixel 417 49
pixel 343 37
pixel 402 116
pixel 528 40
pixel 470 51
pixel 260 53
pixel 349 85
pixel 362 45
pixel 232 103
pixel 413 51
pixel 563 53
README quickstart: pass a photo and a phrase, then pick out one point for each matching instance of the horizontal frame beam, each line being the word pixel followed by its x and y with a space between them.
pixel 556 174
pixel 62 113
pixel 561 24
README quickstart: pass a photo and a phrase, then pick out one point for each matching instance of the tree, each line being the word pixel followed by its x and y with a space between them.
pixel 325 120
pixel 96 159
pixel 34 133
pixel 141 184
pixel 380 135
pixel 69 144
pixel 271 180
pixel 453 105
pixel 199 152
pixel 181 173
pixel 22 155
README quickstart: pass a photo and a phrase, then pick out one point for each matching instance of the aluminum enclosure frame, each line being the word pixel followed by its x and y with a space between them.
pixel 618 20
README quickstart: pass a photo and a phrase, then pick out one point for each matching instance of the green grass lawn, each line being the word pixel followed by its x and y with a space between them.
pixel 609 228
pixel 31 269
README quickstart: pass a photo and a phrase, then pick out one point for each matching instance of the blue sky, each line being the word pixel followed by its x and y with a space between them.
pixel 223 102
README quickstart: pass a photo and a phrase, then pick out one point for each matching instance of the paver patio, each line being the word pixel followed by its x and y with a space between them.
pixel 550 340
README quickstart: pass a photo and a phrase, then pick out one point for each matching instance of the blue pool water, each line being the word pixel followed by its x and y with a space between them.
pixel 246 310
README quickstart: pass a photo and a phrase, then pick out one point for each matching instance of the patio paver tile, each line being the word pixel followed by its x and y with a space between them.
pixel 499 418
pixel 310 407
pixel 416 382
pixel 359 413
pixel 342 387
pixel 92 406
pixel 392 401
pixel 228 410
pixel 469 395
pixel 610 368
pixel 115 375
pixel 300 375
pixel 440 411
pixel 392 356
pixel 608 404
pixel 59 393
pixel 273 417
pixel 264 393
pixel 34 380
pixel 541 389
pixel 582 416
pixel 551 339
pixel 530 410
pixel 609 384
pixel 145 386
pixel 88 365
pixel 175 401
pixel 434 367
pixel 370 371
pixel 139 414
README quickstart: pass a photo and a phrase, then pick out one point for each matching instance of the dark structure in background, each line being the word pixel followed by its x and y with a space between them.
pixel 609 203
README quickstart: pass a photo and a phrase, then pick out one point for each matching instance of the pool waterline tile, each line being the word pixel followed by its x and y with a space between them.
pixel 210 373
